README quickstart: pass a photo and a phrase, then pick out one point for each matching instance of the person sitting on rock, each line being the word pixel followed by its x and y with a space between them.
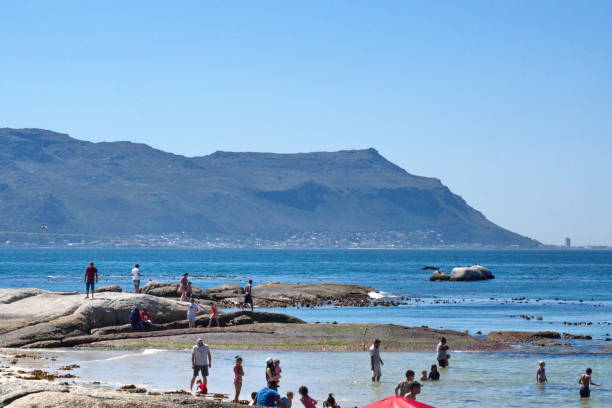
pixel 135 320
pixel 147 319
pixel 201 388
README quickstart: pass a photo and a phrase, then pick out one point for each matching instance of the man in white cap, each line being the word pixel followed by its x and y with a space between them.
pixel 201 360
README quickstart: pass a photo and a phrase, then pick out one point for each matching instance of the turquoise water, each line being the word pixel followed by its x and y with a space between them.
pixel 561 286
pixel 473 380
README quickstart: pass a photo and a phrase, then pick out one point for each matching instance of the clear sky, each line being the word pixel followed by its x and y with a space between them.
pixel 509 102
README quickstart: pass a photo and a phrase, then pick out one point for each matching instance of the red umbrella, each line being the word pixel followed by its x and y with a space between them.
pixel 397 402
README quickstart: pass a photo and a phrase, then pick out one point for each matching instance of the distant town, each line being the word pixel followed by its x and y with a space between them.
pixel 305 240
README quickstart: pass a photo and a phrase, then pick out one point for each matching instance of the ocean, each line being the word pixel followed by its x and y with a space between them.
pixel 560 286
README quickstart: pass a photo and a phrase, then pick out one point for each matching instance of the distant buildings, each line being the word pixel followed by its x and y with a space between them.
pixel 568 243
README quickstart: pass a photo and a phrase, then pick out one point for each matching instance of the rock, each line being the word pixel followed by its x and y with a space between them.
pixel 167 289
pixel 312 294
pixel 44 316
pixel 439 276
pixel 471 273
pixel 577 336
pixel 242 319
pixel 522 337
pixel 230 290
pixel 109 288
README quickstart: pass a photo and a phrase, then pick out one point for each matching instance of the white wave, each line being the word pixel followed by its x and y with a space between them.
pixel 381 295
pixel 152 351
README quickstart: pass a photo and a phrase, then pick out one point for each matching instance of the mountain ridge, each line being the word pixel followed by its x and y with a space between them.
pixel 124 188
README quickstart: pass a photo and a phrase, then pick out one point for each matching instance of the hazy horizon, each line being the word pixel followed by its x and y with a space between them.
pixel 508 104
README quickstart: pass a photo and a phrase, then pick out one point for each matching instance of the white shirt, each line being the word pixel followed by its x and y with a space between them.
pixel 135 274
pixel 441 354
pixel 193 308
pixel 201 355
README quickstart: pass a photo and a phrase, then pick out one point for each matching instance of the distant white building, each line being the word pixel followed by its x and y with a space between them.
pixel 568 243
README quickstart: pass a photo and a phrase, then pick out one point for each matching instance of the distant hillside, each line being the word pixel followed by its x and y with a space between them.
pixel 124 188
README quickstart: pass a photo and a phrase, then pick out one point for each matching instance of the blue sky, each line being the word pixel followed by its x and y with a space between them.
pixel 509 103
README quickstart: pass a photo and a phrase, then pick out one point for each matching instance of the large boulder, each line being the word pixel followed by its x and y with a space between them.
pixel 312 293
pixel 223 292
pixel 167 289
pixel 471 273
pixel 30 316
pixel 439 275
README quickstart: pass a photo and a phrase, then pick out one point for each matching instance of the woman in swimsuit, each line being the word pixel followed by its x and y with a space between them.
pixel 238 374
pixel 306 400
pixel 182 289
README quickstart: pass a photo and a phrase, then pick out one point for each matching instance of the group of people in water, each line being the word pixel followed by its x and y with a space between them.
pixel 201 362
pixel 141 319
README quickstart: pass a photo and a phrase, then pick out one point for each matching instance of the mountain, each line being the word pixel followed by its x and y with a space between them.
pixel 119 189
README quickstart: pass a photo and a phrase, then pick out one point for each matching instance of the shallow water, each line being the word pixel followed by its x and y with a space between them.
pixel 561 279
pixel 473 380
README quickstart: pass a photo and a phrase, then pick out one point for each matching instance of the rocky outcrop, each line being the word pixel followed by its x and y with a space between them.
pixel 523 337
pixel 275 294
pixel 31 316
pixel 19 393
pixel 463 273
pixel 109 288
pixel 312 294
pixel 471 273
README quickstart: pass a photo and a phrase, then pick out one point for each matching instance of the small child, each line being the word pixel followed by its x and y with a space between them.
pixel 434 374
pixel 424 375
pixel 330 402
pixel 201 388
pixel 277 369
pixel 213 315
pixel 541 373
pixel 305 398
pixel 238 374
pixel 288 400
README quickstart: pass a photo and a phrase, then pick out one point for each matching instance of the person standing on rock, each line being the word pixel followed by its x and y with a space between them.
pixel 136 278
pixel 201 361
pixel 191 313
pixel 376 362
pixel 91 278
pixel 182 289
pixel 442 354
pixel 248 297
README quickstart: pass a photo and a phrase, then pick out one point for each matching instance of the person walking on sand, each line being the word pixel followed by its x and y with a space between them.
pixel 415 389
pixel 541 373
pixel 182 289
pixel 91 278
pixel 248 297
pixel 238 374
pixel 201 361
pixel 192 309
pixel 585 382
pixel 213 316
pixel 136 278
pixel 376 362
pixel 442 354
pixel 403 387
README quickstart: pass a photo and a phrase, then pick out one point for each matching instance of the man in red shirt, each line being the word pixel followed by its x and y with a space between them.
pixel 91 277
